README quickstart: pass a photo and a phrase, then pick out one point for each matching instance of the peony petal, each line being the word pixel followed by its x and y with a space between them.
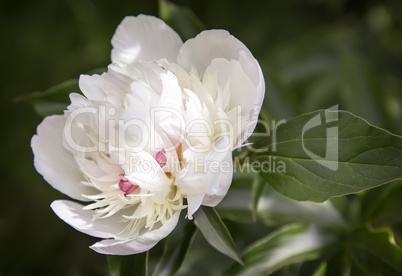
pixel 253 69
pixel 224 180
pixel 213 179
pixel 192 181
pixel 144 38
pixel 115 81
pixel 140 244
pixel 83 220
pixel 200 51
pixel 169 112
pixel 208 45
pixel 56 164
pixel 230 73
pixel 92 87
pixel 194 202
pixel 143 170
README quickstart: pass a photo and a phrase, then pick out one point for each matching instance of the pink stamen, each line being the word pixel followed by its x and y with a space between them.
pixel 161 158
pixel 126 186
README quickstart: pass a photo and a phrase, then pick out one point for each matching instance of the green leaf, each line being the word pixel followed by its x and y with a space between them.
pixel 275 209
pixel 55 99
pixel 52 101
pixel 132 265
pixel 216 232
pixel 237 204
pixel 181 19
pixel 383 206
pixel 355 89
pixel 341 204
pixel 44 108
pixel 342 263
pixel 290 244
pixel 58 92
pixel 315 160
pixel 349 261
pixel 258 189
pixel 363 264
pixel 240 214
pixel 321 270
pixel 176 249
pixel 379 243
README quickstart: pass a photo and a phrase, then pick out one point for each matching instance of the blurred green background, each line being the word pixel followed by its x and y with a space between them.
pixel 314 54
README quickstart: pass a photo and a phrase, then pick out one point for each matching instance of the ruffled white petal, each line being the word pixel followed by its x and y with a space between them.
pixel 170 109
pixel 194 203
pixel 57 165
pixel 115 82
pixel 82 220
pixel 253 70
pixel 198 53
pixel 144 38
pixel 140 244
pixel 205 179
pixel 143 170
pixel 224 179
pixel 232 84
pixel 192 181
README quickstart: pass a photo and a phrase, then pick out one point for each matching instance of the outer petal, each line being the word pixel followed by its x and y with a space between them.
pixel 57 165
pixel 144 38
pixel 115 81
pixel 208 45
pixel 196 184
pixel 194 203
pixel 224 181
pixel 259 99
pixel 83 221
pixel 141 244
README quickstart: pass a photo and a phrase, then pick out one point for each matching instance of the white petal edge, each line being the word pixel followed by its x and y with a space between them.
pixel 194 203
pixel 115 81
pixel 224 180
pixel 218 182
pixel 200 51
pixel 56 164
pixel 140 244
pixel 146 38
pixel 242 91
pixel 83 220
pixel 260 86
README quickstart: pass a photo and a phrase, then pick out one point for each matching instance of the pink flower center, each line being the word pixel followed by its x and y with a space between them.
pixel 161 158
pixel 126 186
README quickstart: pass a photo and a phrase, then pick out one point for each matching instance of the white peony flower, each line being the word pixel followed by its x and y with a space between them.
pixel 152 133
